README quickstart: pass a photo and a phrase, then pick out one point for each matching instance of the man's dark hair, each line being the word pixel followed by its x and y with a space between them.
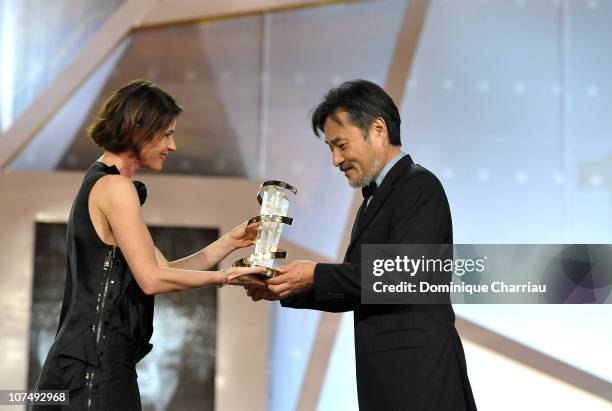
pixel 132 116
pixel 363 101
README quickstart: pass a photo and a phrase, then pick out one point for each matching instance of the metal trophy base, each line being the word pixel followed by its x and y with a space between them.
pixel 250 261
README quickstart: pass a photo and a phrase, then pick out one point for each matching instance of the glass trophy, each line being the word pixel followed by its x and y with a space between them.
pixel 272 197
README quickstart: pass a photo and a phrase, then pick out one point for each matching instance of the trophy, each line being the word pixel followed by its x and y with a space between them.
pixel 272 196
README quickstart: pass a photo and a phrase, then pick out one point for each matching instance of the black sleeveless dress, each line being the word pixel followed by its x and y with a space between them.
pixel 106 320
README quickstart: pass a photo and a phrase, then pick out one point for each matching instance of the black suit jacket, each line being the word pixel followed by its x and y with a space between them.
pixel 408 357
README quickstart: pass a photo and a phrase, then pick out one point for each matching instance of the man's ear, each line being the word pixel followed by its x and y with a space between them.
pixel 378 130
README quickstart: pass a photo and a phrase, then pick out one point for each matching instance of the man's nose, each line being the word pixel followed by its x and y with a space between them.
pixel 337 158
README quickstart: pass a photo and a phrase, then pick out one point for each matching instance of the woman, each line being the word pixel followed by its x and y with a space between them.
pixel 114 269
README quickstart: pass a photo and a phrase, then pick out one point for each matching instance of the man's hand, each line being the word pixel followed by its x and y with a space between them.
pixel 293 278
pixel 256 293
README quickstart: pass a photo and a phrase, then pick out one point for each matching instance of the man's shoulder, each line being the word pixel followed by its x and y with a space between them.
pixel 418 177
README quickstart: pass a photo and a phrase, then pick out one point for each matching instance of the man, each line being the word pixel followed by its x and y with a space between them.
pixel 408 357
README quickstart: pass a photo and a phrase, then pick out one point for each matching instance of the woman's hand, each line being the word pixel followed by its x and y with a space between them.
pixel 243 235
pixel 246 276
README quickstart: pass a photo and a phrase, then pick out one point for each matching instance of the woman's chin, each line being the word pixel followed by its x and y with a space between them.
pixel 154 168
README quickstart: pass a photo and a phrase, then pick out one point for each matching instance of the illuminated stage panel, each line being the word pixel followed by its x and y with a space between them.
pixel 501 384
pixel 37 41
pixel 48 146
pixel 339 389
pixel 575 334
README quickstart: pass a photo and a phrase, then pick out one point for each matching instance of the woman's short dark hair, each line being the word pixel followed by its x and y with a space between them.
pixel 132 116
pixel 363 101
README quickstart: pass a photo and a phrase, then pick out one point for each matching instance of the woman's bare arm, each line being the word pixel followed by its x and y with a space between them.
pixel 204 259
pixel 241 236
pixel 161 259
pixel 118 202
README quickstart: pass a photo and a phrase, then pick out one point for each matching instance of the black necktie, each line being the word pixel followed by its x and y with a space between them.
pixel 369 190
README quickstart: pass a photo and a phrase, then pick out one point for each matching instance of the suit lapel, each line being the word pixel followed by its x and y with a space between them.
pixel 378 200
pixel 356 222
